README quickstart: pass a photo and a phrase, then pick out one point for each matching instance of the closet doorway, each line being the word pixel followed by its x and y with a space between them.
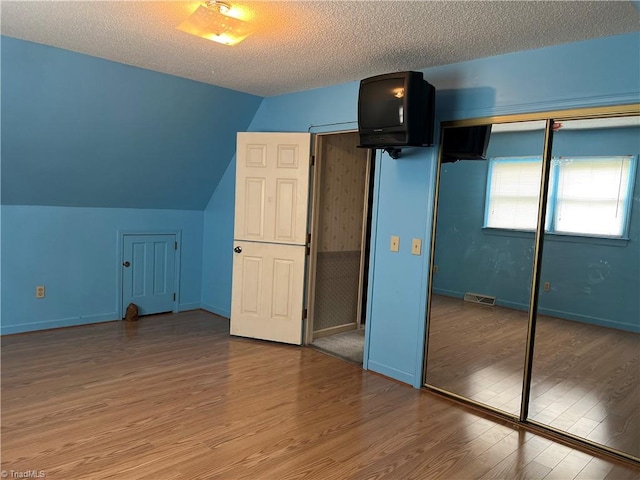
pixel 339 251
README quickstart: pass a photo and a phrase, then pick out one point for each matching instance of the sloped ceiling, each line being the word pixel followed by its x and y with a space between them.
pixel 301 45
pixel 81 131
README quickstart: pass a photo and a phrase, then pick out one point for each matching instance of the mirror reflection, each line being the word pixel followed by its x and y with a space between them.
pixel 483 264
pixel 586 364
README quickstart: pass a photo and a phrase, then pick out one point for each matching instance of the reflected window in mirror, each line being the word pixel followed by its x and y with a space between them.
pixel 591 195
pixel 587 195
pixel 513 192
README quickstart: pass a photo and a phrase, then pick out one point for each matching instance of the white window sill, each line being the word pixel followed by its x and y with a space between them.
pixel 558 237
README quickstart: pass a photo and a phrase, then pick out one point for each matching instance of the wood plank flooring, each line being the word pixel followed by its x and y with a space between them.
pixel 477 351
pixel 586 378
pixel 175 397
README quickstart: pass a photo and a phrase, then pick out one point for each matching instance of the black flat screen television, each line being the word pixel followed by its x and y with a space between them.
pixel 396 110
pixel 465 143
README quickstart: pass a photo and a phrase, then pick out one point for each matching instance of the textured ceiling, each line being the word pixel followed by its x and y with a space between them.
pixel 301 45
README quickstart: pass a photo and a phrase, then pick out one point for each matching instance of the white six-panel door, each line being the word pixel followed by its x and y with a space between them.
pixel 268 290
pixel 271 208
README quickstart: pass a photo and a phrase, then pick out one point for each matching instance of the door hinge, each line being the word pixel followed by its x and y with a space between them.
pixel 308 251
pixel 175 245
pixel 304 314
pixel 313 160
pixel 174 297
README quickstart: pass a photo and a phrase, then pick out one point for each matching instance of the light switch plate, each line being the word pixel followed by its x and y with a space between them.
pixel 395 243
pixel 416 246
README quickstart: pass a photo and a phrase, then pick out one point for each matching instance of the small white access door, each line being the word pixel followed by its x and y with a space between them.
pixel 270 234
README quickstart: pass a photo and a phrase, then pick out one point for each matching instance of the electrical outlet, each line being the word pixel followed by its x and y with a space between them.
pixel 547 286
pixel 40 291
pixel 395 243
pixel 416 246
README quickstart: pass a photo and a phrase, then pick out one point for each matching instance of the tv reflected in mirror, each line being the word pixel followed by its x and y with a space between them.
pixel 465 143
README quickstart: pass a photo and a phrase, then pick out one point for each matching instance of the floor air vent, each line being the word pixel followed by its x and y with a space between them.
pixel 477 298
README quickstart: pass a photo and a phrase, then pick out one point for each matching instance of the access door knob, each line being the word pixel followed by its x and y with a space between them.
pixel 237 249
pixel 126 264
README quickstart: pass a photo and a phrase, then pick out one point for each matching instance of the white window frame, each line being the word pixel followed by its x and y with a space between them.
pixel 624 191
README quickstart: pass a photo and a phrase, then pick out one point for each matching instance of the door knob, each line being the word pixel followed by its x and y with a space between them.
pixel 237 249
pixel 126 264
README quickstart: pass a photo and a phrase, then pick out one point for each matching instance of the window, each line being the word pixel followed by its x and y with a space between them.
pixel 512 193
pixel 587 195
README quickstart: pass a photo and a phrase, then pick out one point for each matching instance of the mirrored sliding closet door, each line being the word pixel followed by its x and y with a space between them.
pixel 483 262
pixel 586 363
pixel 534 307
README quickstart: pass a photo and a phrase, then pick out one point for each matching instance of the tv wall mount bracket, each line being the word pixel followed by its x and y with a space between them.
pixel 393 152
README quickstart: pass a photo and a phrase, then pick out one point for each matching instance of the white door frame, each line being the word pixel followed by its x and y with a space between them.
pixel 119 259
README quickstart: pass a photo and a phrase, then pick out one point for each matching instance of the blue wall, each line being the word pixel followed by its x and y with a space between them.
pixel 113 147
pixel 218 246
pixel 471 259
pixel 73 252
pixel 404 188
pixel 520 82
pixel 83 131
pixel 593 280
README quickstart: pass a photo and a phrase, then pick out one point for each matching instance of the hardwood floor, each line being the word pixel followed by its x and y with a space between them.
pixel 175 397
pixel 477 351
pixel 585 380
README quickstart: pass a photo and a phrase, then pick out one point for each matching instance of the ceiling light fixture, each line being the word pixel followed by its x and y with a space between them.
pixel 223 7
pixel 217 21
